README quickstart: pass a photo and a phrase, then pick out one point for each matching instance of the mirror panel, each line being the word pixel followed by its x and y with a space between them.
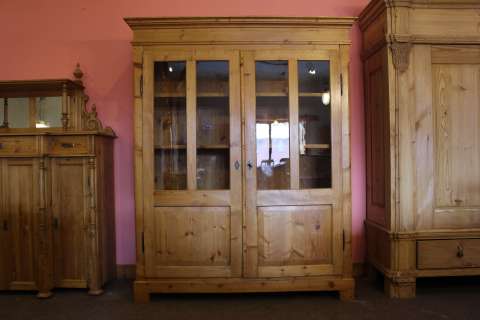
pixel 48 112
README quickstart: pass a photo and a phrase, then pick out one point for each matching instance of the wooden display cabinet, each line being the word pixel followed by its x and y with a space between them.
pixel 56 189
pixel 242 163
pixel 422 101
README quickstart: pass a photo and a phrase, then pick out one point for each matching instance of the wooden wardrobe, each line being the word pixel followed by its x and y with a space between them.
pixel 422 91
pixel 56 189
pixel 242 155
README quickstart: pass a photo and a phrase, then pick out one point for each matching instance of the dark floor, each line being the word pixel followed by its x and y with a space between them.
pixel 445 298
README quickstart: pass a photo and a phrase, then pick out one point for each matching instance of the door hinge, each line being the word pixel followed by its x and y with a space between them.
pixel 141 85
pixel 341 84
pixel 143 242
pixel 343 239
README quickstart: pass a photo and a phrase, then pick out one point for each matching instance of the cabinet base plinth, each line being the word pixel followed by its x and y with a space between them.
pixel 400 289
pixel 143 288
pixel 44 295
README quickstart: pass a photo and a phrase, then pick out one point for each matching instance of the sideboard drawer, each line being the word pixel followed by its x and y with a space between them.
pixel 19 145
pixel 448 254
pixel 68 145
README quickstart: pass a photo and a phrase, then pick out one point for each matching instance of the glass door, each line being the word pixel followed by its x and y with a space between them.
pixel 192 142
pixel 293 163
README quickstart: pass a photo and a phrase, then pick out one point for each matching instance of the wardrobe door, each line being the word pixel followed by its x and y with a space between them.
pixel 448 168
pixel 19 212
pixel 192 164
pixel 69 182
pixel 293 163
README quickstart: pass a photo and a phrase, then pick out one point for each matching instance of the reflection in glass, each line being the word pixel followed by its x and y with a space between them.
pixel 314 124
pixel 18 113
pixel 213 139
pixel 49 112
pixel 170 133
pixel 272 125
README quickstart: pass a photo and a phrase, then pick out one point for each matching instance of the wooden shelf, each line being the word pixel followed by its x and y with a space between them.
pixel 172 147
pixel 311 94
pixel 317 146
pixel 285 94
pixel 183 146
pixel 213 146
pixel 200 95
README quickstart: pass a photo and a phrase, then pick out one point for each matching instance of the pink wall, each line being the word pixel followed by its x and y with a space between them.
pixel 45 39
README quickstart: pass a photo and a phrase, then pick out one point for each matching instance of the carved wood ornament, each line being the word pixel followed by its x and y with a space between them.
pixel 401 55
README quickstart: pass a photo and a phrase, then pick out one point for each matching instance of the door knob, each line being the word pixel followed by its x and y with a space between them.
pixel 237 165
pixel 460 253
pixel 249 165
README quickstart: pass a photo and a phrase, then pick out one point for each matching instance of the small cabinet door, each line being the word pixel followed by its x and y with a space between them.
pixel 69 196
pixel 293 144
pixel 447 190
pixel 192 164
pixel 19 204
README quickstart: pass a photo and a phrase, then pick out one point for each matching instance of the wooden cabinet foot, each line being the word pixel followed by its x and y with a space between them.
pixel 44 295
pixel 347 295
pixel 141 294
pixel 400 288
pixel 95 292
pixel 372 273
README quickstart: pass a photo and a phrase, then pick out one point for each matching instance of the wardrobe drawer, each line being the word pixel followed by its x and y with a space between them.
pixel 448 254
pixel 67 145
pixel 18 145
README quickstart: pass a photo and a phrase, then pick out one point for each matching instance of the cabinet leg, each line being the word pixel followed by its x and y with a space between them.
pixel 372 273
pixel 141 293
pixel 44 294
pixel 95 291
pixel 400 288
pixel 347 294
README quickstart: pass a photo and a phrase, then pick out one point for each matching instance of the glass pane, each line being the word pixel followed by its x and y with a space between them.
pixel 272 125
pixel 49 112
pixel 18 112
pixel 170 132
pixel 213 139
pixel 314 124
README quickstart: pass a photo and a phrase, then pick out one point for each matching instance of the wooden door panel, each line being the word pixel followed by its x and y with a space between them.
pixel 193 236
pixel 457 121
pixel 378 132
pixel 69 183
pixel 456 106
pixel 295 235
pixel 20 184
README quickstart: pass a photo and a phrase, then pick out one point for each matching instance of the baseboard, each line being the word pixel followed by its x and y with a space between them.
pixel 126 271
pixel 358 269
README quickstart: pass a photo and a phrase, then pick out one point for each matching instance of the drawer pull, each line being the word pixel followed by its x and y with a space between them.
pixel 68 145
pixel 459 251
pixel 5 225
pixel 1 146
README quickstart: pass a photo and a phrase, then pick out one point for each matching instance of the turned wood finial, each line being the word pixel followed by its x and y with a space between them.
pixel 78 74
